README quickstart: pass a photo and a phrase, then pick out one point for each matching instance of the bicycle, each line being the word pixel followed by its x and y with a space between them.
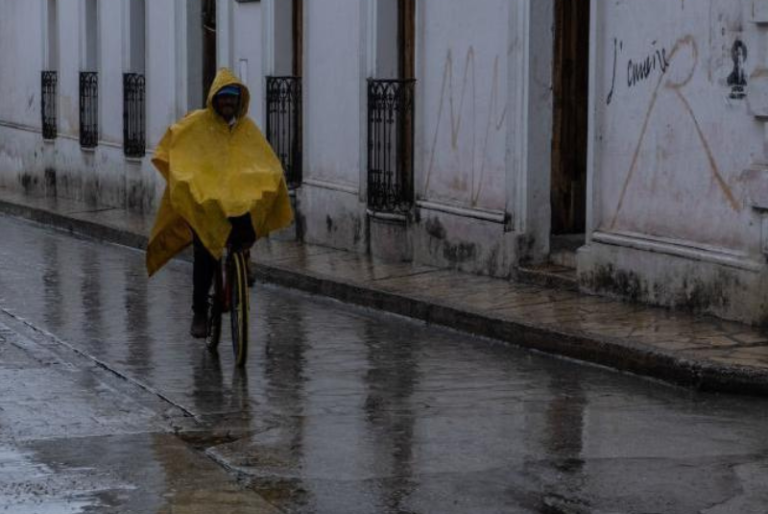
pixel 230 294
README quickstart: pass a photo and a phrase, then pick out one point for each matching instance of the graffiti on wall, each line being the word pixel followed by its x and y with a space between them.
pixel 645 68
pixel 737 80
pixel 684 55
pixel 638 70
pixel 494 122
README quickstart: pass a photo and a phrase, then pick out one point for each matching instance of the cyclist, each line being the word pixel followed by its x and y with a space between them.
pixel 224 185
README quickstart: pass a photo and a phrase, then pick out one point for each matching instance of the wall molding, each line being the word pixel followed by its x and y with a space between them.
pixel 322 184
pixel 680 248
pixel 498 217
pixel 21 126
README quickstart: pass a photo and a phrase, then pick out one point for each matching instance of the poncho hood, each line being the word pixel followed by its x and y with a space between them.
pixel 223 79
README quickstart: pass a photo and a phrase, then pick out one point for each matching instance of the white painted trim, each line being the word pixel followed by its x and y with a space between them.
pixel 44 32
pixel 371 46
pixel 387 216
pixel 268 38
pixel 181 70
pixel 322 184
pixel 680 248
pixel 366 58
pixel 231 39
pixel 223 34
pixel 267 53
pixel 534 128
pixel 51 62
pixel 419 111
pixel 595 96
pixel 68 137
pixel 498 217
pixel 517 133
pixel 83 39
pixel 20 126
pixel 306 119
pixel 125 39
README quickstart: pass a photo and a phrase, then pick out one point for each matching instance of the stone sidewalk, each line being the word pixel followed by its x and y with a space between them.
pixel 699 352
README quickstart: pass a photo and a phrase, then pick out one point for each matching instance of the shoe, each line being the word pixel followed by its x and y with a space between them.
pixel 199 329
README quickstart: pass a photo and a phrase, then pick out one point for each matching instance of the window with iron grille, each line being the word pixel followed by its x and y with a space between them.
pixel 390 145
pixel 134 138
pixel 284 124
pixel 89 109
pixel 48 104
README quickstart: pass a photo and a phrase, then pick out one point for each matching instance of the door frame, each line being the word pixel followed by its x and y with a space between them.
pixel 529 134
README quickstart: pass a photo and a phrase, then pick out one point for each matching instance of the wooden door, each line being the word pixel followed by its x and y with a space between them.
pixel 570 123
pixel 209 45
pixel 297 29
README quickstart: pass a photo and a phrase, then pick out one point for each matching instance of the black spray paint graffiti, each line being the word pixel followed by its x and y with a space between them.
pixel 616 45
pixel 640 71
pixel 738 77
pixel 637 71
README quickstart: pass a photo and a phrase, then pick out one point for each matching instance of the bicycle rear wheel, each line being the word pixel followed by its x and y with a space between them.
pixel 239 306
pixel 214 312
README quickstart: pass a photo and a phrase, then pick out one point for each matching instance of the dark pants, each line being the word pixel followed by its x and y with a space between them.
pixel 243 236
pixel 202 276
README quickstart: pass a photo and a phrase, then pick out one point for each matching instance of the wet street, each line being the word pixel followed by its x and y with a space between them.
pixel 108 405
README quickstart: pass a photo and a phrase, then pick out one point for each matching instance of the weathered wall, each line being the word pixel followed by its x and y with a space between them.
pixel 102 176
pixel 334 114
pixel 463 103
pixel 673 146
pixel 462 159
pixel 21 28
pixel 674 149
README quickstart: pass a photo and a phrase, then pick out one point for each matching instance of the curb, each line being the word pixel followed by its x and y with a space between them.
pixel 614 353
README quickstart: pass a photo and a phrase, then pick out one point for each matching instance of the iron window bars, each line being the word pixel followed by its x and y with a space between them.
pixel 390 145
pixel 89 109
pixel 49 81
pixel 134 131
pixel 284 125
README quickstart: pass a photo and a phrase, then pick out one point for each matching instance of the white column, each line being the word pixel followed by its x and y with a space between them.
pixel 224 34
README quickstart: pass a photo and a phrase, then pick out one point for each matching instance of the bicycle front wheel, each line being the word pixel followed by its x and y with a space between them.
pixel 239 305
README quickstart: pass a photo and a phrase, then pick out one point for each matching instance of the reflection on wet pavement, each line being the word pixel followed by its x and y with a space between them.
pixel 344 410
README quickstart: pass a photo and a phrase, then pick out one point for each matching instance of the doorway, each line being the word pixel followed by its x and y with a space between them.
pixel 570 123
pixel 297 36
pixel 209 45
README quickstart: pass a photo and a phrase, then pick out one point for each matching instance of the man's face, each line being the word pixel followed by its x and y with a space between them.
pixel 226 106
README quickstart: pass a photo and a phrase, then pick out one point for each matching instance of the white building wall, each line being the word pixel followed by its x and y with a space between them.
pixel 677 158
pixel 335 70
pixel 102 176
pixel 248 54
pixel 21 26
pixel 463 103
pixel 332 80
pixel 462 162
pixel 674 146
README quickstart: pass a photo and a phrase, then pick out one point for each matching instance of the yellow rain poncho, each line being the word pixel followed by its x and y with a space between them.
pixel 214 173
